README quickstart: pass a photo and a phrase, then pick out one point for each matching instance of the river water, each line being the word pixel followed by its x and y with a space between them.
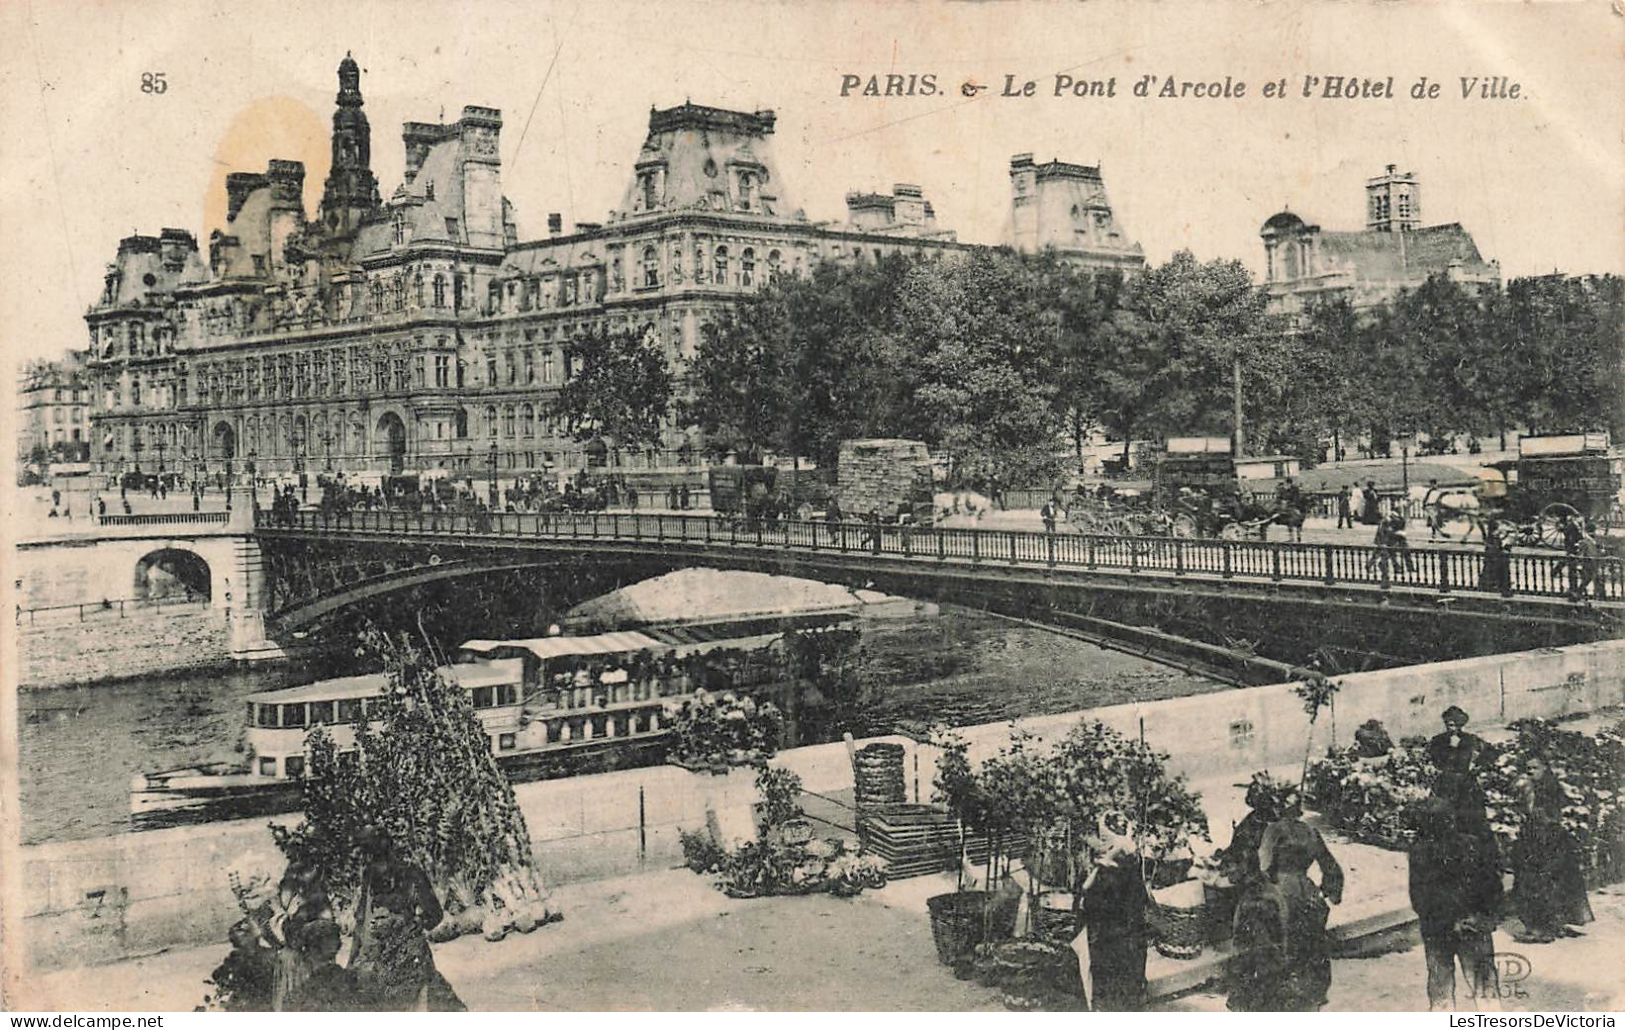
pixel 80 746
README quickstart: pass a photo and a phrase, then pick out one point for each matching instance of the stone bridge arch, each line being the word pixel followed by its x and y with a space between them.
pixel 170 572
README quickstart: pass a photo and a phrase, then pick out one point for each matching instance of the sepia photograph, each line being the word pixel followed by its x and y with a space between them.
pixel 749 506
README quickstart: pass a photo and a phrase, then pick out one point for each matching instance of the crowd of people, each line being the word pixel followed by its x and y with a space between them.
pixel 1283 961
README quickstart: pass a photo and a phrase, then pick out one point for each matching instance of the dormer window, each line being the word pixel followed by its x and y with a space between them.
pixel 428 191
pixel 747 191
pixel 451 228
pixel 400 229
pixel 647 191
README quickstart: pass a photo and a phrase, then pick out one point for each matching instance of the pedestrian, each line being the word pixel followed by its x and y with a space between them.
pixel 101 505
pixel 1289 507
pixel 1497 571
pixel 1583 554
pixel 871 523
pixel 1289 848
pixel 56 498
pixel 683 497
pixel 1433 506
pixel 1458 758
pixel 1113 905
pixel 1370 504
pixel 126 506
pixel 671 498
pixel 390 956
pixel 832 512
pixel 1345 503
pixel 632 497
pixel 1047 513
pixel 1455 889
pixel 197 500
pixel 1548 884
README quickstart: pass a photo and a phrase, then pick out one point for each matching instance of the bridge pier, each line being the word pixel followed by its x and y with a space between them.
pixel 245 605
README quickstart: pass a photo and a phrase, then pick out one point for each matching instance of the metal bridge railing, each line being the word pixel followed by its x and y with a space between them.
pixel 1437 569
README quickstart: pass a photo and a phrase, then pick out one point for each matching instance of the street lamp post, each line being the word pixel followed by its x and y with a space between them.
pixel 228 483
pixel 493 475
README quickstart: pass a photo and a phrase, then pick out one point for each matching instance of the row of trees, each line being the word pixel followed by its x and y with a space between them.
pixel 997 358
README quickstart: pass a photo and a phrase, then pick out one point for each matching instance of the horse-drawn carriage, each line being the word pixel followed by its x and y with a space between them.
pixel 1554 480
pixel 1195 492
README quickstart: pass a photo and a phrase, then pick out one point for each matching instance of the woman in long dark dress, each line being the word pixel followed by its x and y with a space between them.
pixel 1289 848
pixel 1548 888
pixel 1114 912
pixel 391 958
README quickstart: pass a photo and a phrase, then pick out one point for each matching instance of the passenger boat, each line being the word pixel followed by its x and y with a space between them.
pixel 551 706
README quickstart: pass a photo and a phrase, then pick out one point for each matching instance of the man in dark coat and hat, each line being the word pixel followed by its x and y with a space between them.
pixel 1455 889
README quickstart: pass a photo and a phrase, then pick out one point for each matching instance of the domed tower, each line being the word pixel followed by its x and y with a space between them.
pixel 350 194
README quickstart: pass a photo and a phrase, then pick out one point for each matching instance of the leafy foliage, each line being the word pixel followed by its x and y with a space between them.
pixel 621 389
pixel 723 730
pixel 422 774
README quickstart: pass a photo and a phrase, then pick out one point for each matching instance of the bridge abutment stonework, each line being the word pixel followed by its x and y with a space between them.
pixel 126 563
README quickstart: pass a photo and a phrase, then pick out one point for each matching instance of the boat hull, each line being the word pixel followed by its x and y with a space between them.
pixel 189 796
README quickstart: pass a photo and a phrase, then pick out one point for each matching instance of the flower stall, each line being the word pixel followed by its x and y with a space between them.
pixel 1373 798
pixel 787 857
pixel 715 732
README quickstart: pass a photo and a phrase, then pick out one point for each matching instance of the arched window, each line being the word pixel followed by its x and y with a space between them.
pixel 417 289
pixel 507 421
pixel 773 261
pixel 439 291
pixel 462 423
pixel 747 267
pixel 651 267
pixel 400 292
pixel 719 267
pixel 527 421
pixel 491 421
pixel 377 295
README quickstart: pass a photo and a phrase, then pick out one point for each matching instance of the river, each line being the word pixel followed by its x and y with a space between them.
pixel 81 745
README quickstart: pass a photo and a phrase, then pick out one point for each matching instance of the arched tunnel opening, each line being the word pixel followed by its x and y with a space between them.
pixel 171 573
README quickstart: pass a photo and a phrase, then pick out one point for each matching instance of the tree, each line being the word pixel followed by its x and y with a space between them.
pixel 983 392
pixel 1170 346
pixel 621 389
pixel 423 774
pixel 805 363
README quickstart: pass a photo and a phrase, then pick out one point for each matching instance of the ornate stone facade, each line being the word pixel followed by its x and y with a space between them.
pixel 420 333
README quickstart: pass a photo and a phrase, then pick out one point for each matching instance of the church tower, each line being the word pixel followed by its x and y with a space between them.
pixel 350 194
pixel 1393 202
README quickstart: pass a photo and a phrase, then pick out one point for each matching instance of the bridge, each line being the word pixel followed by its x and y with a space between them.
pixel 317 563
pixel 278 578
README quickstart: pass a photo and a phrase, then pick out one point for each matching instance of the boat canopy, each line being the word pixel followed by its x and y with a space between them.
pixel 548 648
pixel 483 674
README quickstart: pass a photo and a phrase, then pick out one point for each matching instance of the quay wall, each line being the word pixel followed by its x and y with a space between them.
pixel 95 901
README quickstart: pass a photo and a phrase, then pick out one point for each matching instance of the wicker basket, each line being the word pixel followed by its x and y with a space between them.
pixel 962 920
pixel 1181 920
